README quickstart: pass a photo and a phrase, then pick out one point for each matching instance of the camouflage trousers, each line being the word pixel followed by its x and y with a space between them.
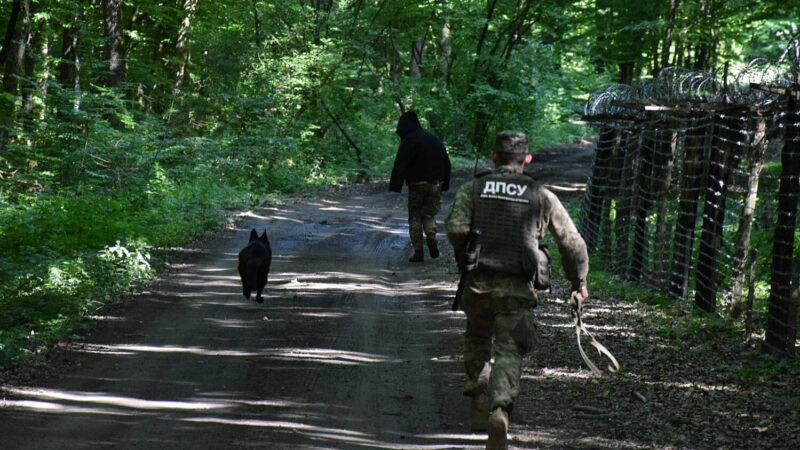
pixel 510 322
pixel 424 202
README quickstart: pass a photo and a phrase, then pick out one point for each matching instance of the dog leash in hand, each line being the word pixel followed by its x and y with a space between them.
pixel 581 328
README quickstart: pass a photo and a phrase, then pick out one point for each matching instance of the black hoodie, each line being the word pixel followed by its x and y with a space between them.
pixel 421 156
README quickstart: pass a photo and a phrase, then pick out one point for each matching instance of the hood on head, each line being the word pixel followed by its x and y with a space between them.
pixel 407 123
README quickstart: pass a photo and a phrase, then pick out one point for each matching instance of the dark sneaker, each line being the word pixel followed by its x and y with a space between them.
pixel 498 430
pixel 433 248
pixel 418 257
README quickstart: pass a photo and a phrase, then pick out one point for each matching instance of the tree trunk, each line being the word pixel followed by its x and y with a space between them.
pixel 112 21
pixel 781 328
pixel 624 205
pixel 182 45
pixel 616 166
pixel 69 66
pixel 257 28
pixel 496 43
pixel 482 118
pixel 417 50
pixel 705 51
pixel 626 73
pixel 669 34
pixel 8 40
pixel 696 147
pixel 69 55
pixel 445 51
pixel 724 155
pixel 321 7
pixel 13 67
pixel 598 186
pixel 344 133
pixel 644 205
pixel 30 88
pixel 666 142
pixel 677 59
pixel 701 57
pixel 758 147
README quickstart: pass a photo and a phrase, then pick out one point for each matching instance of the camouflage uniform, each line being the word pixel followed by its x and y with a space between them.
pixel 500 305
pixel 424 202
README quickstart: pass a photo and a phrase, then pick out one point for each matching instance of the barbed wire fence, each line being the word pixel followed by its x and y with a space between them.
pixel 694 189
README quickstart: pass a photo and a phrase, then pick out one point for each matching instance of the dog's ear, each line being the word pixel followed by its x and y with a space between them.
pixel 253 235
pixel 264 236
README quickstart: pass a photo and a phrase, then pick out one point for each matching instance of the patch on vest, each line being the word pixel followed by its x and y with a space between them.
pixel 503 190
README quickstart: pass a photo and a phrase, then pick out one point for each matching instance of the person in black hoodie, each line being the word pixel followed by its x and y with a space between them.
pixel 422 164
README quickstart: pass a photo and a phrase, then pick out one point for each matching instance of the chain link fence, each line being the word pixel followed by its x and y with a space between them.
pixel 694 189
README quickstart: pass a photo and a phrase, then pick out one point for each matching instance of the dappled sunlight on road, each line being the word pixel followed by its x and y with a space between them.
pixel 566 188
pixel 692 385
pixel 323 315
pixel 589 327
pixel 132 349
pixel 52 407
pixel 336 282
pixel 338 437
pixel 231 323
pixel 316 355
pixel 111 400
pixel 330 356
pixel 108 318
pixel 550 373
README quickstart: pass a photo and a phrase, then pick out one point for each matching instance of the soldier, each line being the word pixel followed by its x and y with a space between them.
pixel 422 163
pixel 512 213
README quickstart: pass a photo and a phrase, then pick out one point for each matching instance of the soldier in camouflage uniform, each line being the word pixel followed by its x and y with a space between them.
pixel 512 212
pixel 422 163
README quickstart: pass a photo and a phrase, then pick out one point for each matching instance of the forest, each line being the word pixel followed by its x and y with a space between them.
pixel 132 127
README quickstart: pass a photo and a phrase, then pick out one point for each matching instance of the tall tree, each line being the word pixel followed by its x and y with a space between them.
pixel 11 29
pixel 505 26
pixel 112 22
pixel 20 32
pixel 182 44
pixel 629 33
pixel 784 299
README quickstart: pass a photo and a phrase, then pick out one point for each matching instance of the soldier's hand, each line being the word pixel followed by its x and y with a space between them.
pixel 577 298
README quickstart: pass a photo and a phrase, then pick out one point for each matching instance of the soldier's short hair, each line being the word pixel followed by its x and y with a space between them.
pixel 515 142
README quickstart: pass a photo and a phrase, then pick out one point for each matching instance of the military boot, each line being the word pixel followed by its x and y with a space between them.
pixel 434 249
pixel 418 256
pixel 498 430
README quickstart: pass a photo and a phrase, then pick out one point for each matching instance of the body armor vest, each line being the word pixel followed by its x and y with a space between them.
pixel 507 214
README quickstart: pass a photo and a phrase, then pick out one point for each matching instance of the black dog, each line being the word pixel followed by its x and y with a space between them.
pixel 254 261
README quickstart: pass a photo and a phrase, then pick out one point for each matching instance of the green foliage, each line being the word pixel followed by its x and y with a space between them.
pixel 53 301
pixel 763 370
